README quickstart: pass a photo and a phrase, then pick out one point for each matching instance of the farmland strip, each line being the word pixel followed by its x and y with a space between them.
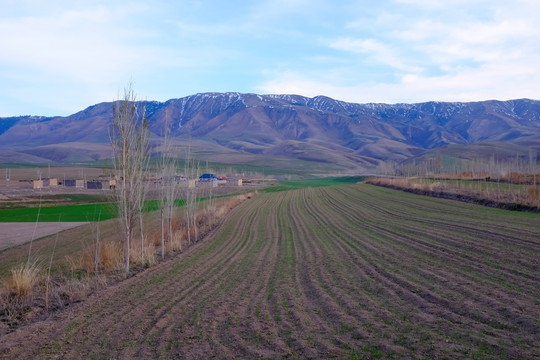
pixel 344 271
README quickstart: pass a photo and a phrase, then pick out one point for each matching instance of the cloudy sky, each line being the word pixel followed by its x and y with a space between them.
pixel 59 56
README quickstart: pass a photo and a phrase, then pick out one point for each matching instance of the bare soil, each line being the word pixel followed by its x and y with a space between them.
pixel 339 272
pixel 13 234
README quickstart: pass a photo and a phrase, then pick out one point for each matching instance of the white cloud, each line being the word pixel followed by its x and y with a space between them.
pixel 437 56
pixel 81 52
pixel 88 45
pixel 376 50
pixel 502 81
pixel 479 41
pixel 69 57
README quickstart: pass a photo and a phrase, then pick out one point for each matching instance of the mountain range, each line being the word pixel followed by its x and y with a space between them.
pixel 250 128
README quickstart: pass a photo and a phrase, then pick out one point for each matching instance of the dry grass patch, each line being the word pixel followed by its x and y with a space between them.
pixel 108 257
pixel 18 291
pixel 143 254
pixel 24 279
pixel 177 240
pixel 484 191
pixel 111 256
pixel 72 290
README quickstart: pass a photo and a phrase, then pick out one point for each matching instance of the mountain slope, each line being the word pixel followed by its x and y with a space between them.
pixel 319 129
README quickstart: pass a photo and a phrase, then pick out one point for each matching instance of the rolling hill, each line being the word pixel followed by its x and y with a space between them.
pixel 250 128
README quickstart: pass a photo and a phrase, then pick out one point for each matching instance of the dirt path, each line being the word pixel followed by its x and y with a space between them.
pixel 12 234
pixel 351 271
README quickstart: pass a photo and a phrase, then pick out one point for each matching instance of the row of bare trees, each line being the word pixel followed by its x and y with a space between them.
pixel 496 166
pixel 138 180
pixel 130 139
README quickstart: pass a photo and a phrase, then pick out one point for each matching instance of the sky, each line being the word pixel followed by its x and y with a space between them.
pixel 58 57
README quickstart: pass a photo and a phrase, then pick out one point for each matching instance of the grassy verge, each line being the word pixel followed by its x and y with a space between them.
pixel 492 194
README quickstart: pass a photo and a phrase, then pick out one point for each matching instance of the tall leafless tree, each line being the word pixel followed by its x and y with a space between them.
pixel 169 190
pixel 191 172
pixel 129 136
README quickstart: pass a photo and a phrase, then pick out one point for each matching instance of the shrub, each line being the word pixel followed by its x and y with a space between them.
pixel 532 192
pixel 23 279
pixel 111 256
pixel 177 239
pixel 146 256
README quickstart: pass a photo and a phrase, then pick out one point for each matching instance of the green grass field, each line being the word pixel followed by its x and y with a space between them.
pixel 68 213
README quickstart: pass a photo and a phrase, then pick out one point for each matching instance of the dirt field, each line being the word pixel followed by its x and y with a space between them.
pixel 12 234
pixel 338 272
pixel 16 174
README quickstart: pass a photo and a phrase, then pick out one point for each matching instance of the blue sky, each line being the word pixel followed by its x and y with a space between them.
pixel 59 56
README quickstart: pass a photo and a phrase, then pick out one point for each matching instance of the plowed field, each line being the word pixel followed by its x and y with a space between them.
pixel 352 271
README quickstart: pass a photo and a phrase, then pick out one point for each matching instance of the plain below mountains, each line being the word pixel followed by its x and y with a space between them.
pixel 254 129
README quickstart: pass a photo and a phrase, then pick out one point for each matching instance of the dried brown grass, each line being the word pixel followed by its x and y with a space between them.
pixel 510 177
pixel 176 223
pixel 18 291
pixel 176 242
pixel 23 279
pixel 110 258
pixel 154 236
pixel 528 197
pixel 73 290
pixel 144 254
pixel 533 193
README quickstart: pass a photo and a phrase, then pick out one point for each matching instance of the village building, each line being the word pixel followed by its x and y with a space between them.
pixel 74 183
pixel 94 185
pixel 50 182
pixel 37 184
pixel 234 182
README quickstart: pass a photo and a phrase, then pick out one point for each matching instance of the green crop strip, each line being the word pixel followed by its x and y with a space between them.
pixel 313 183
pixel 87 212
pixel 75 213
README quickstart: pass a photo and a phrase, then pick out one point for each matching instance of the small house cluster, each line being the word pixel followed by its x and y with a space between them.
pixel 102 183
pixel 206 179
pixel 216 181
pixel 46 182
pixel 75 183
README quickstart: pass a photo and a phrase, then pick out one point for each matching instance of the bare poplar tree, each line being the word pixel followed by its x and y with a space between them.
pixel 191 171
pixel 169 191
pixel 164 167
pixel 142 187
pixel 129 136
